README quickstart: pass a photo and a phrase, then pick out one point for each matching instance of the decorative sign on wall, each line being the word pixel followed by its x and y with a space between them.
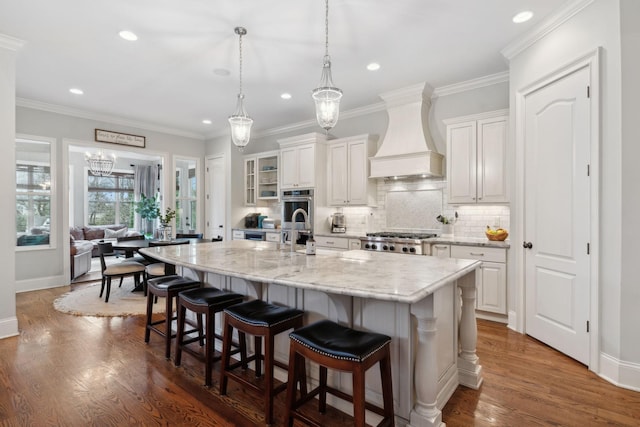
pixel 120 138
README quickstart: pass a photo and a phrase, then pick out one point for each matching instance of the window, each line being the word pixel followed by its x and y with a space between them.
pixel 186 196
pixel 33 193
pixel 110 199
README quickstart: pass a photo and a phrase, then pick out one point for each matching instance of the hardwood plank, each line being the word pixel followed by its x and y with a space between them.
pixel 66 370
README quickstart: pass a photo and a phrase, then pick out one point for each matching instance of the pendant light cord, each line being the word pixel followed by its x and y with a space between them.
pixel 240 63
pixel 326 28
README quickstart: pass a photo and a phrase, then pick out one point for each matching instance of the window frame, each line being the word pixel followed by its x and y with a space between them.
pixel 53 205
pixel 185 200
pixel 87 173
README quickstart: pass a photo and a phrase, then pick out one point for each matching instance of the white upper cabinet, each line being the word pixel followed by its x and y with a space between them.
pixel 299 160
pixel 476 158
pixel 348 180
pixel 249 181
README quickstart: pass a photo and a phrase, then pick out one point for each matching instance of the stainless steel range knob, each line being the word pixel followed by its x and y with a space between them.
pixel 392 248
pixel 385 247
pixel 405 249
pixel 374 247
pixel 412 250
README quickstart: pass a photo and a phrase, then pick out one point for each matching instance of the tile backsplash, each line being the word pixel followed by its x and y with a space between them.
pixel 413 205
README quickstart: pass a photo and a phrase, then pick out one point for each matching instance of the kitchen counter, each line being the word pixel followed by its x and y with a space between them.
pixel 469 241
pixel 425 304
pixel 389 277
pixel 253 230
pixel 339 235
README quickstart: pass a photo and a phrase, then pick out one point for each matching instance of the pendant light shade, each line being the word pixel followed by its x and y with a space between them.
pixel 240 122
pixel 99 164
pixel 327 96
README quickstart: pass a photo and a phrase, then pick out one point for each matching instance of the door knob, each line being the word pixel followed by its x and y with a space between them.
pixel 527 245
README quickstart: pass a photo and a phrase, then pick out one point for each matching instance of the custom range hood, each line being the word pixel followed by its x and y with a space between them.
pixel 407 148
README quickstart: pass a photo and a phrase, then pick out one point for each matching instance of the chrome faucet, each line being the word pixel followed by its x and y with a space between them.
pixel 294 231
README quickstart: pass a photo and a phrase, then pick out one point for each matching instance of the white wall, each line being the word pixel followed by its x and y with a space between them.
pixel 598 25
pixel 629 224
pixel 48 268
pixel 8 320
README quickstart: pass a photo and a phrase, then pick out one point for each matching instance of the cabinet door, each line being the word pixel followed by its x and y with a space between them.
pixel 461 162
pixel 250 181
pixel 337 174
pixel 306 166
pixel 492 162
pixel 439 250
pixel 288 167
pixel 492 288
pixel 358 180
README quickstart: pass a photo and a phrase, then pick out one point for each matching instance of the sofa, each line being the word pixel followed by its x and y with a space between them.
pixel 84 243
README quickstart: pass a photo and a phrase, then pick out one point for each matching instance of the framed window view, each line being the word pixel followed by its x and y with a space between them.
pixel 35 210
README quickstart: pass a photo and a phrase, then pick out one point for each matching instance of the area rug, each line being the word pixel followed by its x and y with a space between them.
pixel 84 300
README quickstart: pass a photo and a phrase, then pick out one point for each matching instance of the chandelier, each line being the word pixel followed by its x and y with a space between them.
pixel 327 96
pixel 240 122
pixel 99 164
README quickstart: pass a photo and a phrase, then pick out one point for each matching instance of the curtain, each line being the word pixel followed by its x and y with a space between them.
pixel 146 181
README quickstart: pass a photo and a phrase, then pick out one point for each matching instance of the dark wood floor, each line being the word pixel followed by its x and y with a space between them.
pixel 65 370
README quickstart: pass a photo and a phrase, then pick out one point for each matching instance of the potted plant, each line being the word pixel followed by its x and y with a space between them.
pixel 164 231
pixel 148 209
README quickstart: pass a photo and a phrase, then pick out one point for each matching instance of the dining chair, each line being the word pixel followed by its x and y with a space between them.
pixel 121 270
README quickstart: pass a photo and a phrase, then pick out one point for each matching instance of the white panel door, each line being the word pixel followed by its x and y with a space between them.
pixel 215 189
pixel 557 222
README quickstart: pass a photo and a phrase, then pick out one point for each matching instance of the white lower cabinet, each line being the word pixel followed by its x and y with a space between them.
pixel 274 237
pixel 491 278
pixel 330 242
pixel 237 235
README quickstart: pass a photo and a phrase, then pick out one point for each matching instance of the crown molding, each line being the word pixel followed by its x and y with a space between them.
pixel 90 115
pixel 477 83
pixel 11 43
pixel 550 23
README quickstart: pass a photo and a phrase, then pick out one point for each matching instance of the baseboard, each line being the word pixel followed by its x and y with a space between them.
pixel 622 374
pixel 494 317
pixel 512 322
pixel 9 327
pixel 29 285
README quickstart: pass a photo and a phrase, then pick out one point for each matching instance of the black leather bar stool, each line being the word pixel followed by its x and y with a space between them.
pixel 260 319
pixel 333 346
pixel 168 287
pixel 203 301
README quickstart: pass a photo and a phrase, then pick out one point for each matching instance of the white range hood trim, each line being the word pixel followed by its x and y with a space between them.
pixel 425 163
pixel 407 148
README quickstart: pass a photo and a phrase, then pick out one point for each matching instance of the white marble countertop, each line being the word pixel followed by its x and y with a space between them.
pixel 469 241
pixel 384 276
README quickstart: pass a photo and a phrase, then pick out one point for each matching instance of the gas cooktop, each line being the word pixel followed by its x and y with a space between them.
pixel 393 241
pixel 402 235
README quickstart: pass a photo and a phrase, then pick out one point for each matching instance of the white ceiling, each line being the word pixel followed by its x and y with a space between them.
pixel 166 78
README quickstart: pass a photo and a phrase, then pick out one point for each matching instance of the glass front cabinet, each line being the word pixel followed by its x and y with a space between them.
pixel 261 178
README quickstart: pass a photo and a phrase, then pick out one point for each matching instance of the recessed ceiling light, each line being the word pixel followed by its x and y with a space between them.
pixel 285 96
pixel 221 72
pixel 128 35
pixel 76 91
pixel 206 121
pixel 522 17
pixel 374 66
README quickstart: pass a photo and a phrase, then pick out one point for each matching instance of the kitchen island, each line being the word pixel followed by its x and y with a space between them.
pixel 426 304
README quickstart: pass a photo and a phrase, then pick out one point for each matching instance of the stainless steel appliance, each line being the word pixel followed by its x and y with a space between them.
pixel 293 200
pixel 395 242
pixel 338 223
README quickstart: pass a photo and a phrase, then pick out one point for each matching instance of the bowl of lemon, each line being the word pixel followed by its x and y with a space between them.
pixel 496 234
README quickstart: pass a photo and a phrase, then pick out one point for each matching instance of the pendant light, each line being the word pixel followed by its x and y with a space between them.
pixel 99 164
pixel 240 122
pixel 327 96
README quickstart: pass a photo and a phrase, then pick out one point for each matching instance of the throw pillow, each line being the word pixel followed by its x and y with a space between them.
pixel 114 234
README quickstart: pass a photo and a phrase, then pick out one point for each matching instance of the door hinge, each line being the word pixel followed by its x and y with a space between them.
pixel 588 170
pixel 588 91
pixel 587 326
pixel 588 248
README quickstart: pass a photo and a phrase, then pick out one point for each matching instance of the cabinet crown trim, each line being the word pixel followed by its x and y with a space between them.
pixel 480 116
pixel 302 139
